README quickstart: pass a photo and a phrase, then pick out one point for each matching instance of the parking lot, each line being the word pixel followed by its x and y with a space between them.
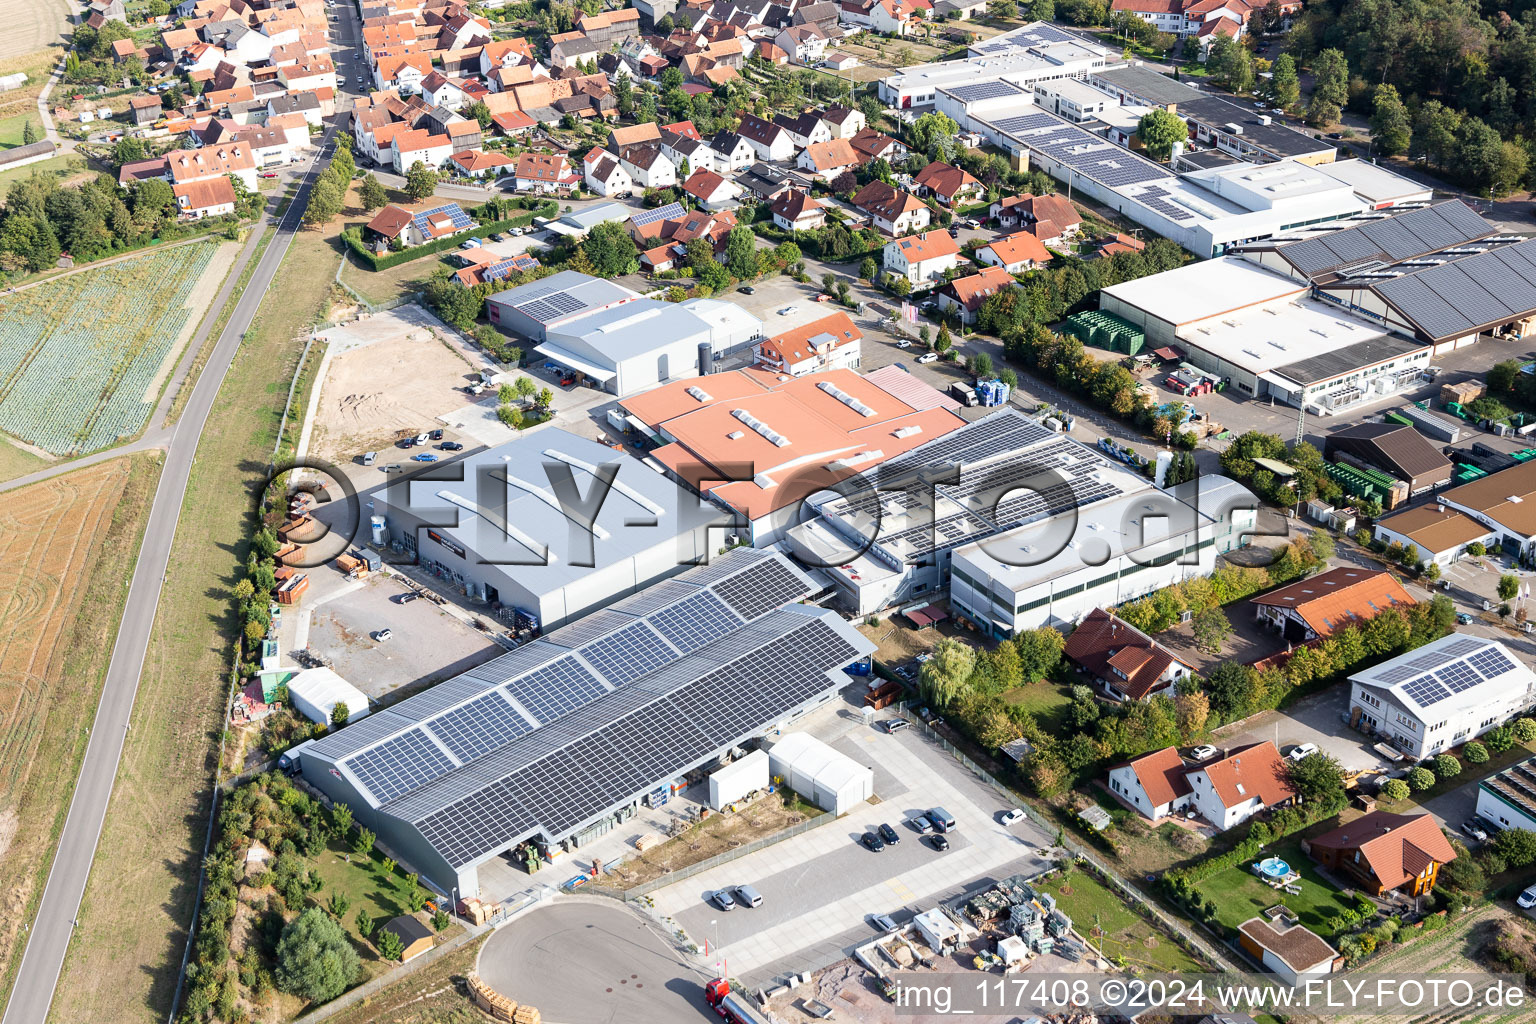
pixel 820 889
pixel 339 619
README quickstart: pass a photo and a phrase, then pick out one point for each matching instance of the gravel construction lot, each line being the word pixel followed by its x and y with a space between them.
pixel 428 645
pixel 584 960
pixel 387 372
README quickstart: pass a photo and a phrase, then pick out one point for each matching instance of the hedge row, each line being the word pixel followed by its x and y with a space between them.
pixel 354 239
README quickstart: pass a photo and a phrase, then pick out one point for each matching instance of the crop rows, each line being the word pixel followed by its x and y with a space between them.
pixel 77 355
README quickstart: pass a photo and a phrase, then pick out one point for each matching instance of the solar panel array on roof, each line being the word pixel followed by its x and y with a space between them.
pixel 1463 296
pixel 1405 236
pixel 1080 149
pixel 457 216
pixel 984 91
pixel 613 757
pixel 1450 667
pixel 1156 199
pixel 554 676
pixel 660 213
pixel 505 268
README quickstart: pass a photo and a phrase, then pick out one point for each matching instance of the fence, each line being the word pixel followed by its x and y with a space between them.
pixel 1132 897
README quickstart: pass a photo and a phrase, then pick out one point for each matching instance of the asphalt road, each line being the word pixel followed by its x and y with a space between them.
pixel 50 933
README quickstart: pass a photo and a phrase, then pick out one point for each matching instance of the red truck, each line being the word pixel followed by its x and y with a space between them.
pixel 729 1005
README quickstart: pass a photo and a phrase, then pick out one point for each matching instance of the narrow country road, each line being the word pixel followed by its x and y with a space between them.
pixel 48 939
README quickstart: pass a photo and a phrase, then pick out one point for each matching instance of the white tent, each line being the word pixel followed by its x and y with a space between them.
pixel 832 781
pixel 315 691
pixel 737 779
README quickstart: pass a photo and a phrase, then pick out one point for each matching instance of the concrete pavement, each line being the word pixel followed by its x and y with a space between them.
pixel 65 888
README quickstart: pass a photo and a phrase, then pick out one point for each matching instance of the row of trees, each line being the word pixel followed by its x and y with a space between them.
pixel 43 220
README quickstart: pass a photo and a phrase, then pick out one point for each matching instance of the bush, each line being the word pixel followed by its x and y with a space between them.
pixel 1395 790
pixel 1420 779
pixel 1475 753
pixel 1524 729
pixel 1447 767
pixel 314 958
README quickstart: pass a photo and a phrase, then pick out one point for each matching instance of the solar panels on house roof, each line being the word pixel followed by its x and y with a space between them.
pixel 459 219
pixel 660 213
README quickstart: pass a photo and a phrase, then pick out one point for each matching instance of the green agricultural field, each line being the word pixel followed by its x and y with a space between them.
pixel 83 357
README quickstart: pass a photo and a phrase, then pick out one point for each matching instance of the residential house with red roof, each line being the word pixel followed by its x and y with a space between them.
pixel 419 144
pixel 893 17
pixel 966 294
pixel 831 343
pixel 403 73
pixel 1015 253
pixel 214 162
pixel 1383 852
pixel 1230 791
pixel 873 145
pixel 1320 605
pixel 1153 785
pixel 416 226
pixel 478 163
pixel 890 209
pixel 207 197
pixel 712 191
pixel 921 259
pixel 545 173
pixel 1125 662
pixel 827 160
pixel 947 183
pixel 798 211
pixel 514 124
pixel 1052 219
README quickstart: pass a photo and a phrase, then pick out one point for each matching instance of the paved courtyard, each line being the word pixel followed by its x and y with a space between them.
pixel 592 961
pixel 338 617
pixel 821 888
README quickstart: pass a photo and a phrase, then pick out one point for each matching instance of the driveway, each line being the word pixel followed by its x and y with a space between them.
pixel 1315 719
pixel 819 889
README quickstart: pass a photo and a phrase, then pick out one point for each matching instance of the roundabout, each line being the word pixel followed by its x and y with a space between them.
pixel 592 961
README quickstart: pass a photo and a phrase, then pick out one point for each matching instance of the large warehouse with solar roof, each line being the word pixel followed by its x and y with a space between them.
pixel 560 739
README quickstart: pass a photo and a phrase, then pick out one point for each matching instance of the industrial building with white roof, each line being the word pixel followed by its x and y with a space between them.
pixel 559 740
pixel 517 527
pixel 1266 335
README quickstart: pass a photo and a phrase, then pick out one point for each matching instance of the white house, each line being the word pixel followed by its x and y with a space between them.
pixel 1153 784
pixel 770 141
pixel 442 91
pixel 890 209
pixel 732 152
pixel 846 122
pixel 923 258
pixel 1230 791
pixel 891 17
pixel 541 172
pixel 805 129
pixel 648 166
pixel 420 144
pixel 827 160
pixel 1015 253
pixel 802 43
pixel 831 343
pixel 210 197
pixel 604 174
pixel 711 190
pixel 798 211
pixel 1443 694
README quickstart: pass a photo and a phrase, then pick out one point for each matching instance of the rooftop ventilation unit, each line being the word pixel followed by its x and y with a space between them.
pixel 777 439
pixel 907 431
pixel 700 393
pixel 735 435
pixel 847 399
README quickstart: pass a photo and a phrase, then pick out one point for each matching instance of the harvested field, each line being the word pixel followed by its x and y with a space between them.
pixel 82 361
pixel 33 40
pixel 387 373
pixel 717 834
pixel 68 545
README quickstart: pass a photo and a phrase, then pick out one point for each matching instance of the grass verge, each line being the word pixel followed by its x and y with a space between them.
pixel 432 995
pixel 127 952
pixel 15 462
pixel 41 801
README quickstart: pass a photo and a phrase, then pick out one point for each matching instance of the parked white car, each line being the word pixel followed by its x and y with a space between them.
pixel 1013 817
pixel 930 357
pixel 1528 897
pixel 1302 751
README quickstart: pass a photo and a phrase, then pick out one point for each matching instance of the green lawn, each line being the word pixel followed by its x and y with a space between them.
pixel 1090 904
pixel 11 128
pixel 59 166
pixel 1047 701
pixel 1238 894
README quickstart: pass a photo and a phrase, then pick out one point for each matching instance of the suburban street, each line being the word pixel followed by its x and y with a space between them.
pixel 48 938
